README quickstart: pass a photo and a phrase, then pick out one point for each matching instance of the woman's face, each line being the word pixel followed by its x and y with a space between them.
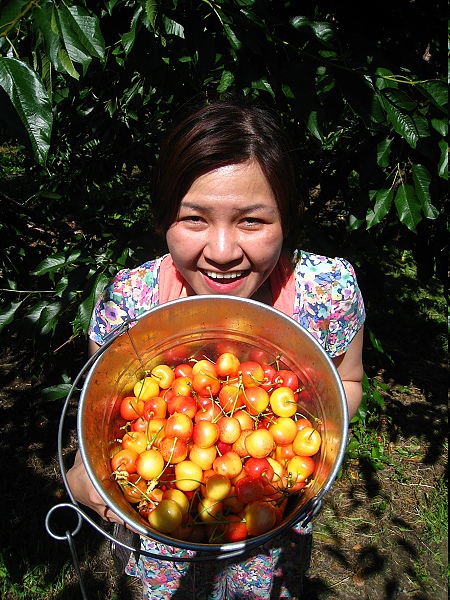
pixel 227 237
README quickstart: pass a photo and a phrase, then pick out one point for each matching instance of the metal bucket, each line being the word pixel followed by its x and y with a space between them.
pixel 209 325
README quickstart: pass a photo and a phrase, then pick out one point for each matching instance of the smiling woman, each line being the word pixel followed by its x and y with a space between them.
pixel 226 199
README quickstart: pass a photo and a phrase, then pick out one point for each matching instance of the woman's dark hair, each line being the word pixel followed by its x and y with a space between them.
pixel 220 134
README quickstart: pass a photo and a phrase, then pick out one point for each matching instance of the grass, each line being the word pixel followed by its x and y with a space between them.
pixel 368 440
pixel 434 511
pixel 34 584
pixel 11 159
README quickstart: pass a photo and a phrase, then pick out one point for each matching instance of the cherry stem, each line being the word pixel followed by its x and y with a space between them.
pixel 276 361
pixel 130 484
pixel 318 421
pixel 151 441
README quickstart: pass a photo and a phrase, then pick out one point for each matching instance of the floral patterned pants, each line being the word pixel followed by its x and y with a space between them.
pixel 273 571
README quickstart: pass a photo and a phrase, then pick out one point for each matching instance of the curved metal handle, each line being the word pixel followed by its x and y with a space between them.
pixel 315 508
pixel 171 558
pixel 235 550
pixel 73 505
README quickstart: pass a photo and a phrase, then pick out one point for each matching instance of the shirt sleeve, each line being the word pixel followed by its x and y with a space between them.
pixel 347 313
pixel 128 295
pixel 328 303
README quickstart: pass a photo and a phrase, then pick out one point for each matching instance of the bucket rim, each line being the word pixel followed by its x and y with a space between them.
pixel 252 542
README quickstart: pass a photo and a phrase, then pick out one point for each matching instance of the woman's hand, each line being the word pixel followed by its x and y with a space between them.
pixel 84 491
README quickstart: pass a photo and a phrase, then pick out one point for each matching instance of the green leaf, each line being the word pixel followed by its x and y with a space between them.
pixel 399 99
pixel 443 160
pixel 66 62
pixel 377 113
pixel 322 31
pixel 384 78
pixel 384 152
pixel 31 102
pixel 263 84
pixel 173 28
pixel 56 392
pixel 8 314
pixel 353 443
pixel 421 125
pixel 408 206
pixel 377 397
pixel 235 42
pixel 287 91
pixel 436 92
pixel 48 318
pixel 151 10
pixel 422 180
pixel 46 30
pixel 128 41
pixel 314 124
pixel 375 453
pixel 61 286
pixel 55 262
pixel 441 126
pixel 361 97
pixel 129 38
pixel 45 193
pixel 300 80
pixel 325 82
pixel 354 223
pixel 86 308
pixel 35 311
pixel 85 31
pixel 402 123
pixel 383 201
pixel 9 13
pixel 376 344
pixel 80 35
pixel 226 81
pixel 254 18
pixel 361 415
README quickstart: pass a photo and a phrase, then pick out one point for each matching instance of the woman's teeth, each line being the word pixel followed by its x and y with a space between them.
pixel 215 275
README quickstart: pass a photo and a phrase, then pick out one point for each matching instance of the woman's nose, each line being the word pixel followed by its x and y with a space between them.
pixel 222 246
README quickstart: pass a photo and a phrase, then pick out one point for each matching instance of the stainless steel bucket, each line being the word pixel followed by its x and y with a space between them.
pixel 208 325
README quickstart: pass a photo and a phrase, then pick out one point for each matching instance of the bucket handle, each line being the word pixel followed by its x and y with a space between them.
pixel 237 549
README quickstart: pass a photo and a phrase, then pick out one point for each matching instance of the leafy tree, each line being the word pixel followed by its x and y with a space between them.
pixel 89 87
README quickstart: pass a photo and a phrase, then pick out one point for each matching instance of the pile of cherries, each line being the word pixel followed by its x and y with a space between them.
pixel 212 450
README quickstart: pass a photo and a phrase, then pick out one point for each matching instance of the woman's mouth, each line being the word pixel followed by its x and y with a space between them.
pixel 224 283
pixel 224 276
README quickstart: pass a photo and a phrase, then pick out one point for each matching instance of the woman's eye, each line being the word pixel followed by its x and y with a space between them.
pixel 192 219
pixel 252 221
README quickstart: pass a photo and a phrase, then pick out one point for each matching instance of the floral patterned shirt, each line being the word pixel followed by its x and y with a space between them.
pixel 328 302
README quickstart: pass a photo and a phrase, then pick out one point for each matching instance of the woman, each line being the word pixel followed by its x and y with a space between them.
pixel 226 199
